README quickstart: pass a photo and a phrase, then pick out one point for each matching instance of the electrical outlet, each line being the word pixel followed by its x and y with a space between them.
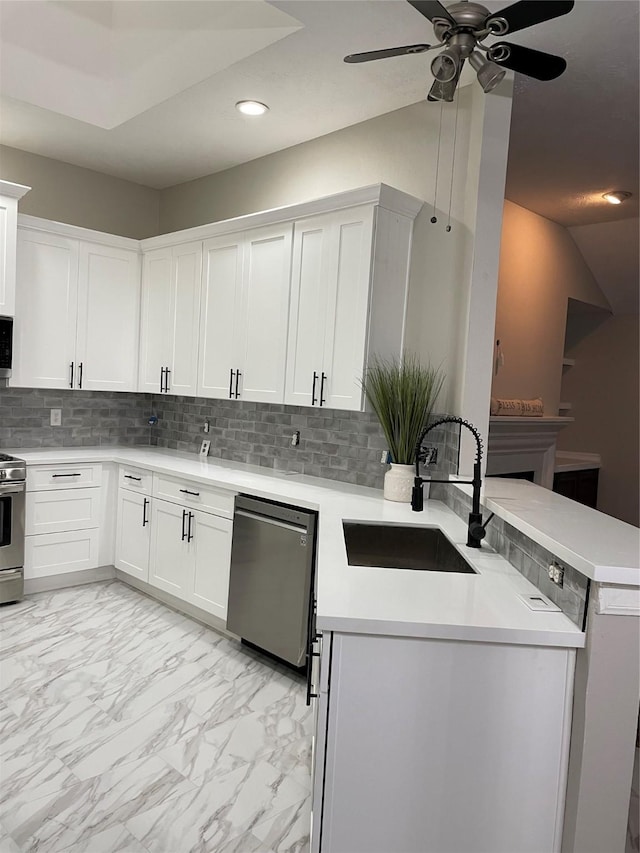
pixel 384 458
pixel 207 426
pixel 556 574
pixel 295 438
pixel 204 448
pixel 56 417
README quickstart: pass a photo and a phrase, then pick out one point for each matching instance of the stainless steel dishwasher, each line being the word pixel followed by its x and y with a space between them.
pixel 272 565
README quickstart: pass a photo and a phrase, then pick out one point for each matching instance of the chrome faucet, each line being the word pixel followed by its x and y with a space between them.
pixel 476 529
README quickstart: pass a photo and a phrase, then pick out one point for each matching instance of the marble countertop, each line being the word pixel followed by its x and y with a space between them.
pixel 485 606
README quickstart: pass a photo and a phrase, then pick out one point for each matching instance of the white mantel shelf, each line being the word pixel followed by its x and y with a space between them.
pixel 519 444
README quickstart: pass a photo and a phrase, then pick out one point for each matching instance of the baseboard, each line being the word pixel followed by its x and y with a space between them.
pixel 176 604
pixel 51 582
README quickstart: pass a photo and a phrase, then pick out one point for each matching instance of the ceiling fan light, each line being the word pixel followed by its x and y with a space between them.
pixel 617 196
pixel 252 108
pixel 489 74
pixel 445 65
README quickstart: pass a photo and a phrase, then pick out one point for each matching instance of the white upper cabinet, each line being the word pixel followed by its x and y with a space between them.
pixel 243 322
pixel 330 309
pixel 169 328
pixel 46 310
pixel 77 310
pixel 108 318
pixel 9 197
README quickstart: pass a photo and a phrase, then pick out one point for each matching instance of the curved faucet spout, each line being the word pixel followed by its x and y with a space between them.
pixel 476 530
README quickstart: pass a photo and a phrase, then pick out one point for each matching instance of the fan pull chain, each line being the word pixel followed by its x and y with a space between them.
pixel 453 160
pixel 434 218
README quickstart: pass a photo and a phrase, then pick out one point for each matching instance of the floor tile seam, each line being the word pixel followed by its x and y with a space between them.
pixel 273 817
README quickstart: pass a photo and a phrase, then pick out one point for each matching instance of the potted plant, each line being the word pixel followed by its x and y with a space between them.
pixel 402 393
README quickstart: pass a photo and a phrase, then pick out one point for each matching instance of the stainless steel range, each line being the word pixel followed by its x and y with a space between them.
pixel 13 474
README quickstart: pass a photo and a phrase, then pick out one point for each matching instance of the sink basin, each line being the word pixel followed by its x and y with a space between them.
pixel 397 546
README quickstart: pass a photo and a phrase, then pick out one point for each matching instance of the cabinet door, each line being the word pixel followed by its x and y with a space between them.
pixel 133 534
pixel 219 316
pixel 347 309
pixel 8 226
pixel 264 313
pixel 46 304
pixel 108 319
pixel 155 320
pixel 211 547
pixel 170 566
pixel 184 323
pixel 307 314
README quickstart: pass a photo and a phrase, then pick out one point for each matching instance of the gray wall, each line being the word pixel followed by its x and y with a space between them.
pixel 78 196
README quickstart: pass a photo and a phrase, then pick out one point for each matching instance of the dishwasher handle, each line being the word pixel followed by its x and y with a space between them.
pixel 276 522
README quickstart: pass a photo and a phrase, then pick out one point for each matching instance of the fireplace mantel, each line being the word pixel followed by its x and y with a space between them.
pixel 524 444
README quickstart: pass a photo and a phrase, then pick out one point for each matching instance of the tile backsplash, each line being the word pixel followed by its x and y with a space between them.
pixel 334 444
pixel 89 418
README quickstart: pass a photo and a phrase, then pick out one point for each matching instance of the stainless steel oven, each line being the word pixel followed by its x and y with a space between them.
pixel 12 511
pixel 6 346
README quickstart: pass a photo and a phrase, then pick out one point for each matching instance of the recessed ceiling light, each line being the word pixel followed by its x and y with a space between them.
pixel 252 108
pixel 617 197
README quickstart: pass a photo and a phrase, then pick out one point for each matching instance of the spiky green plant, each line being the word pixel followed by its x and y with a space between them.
pixel 402 393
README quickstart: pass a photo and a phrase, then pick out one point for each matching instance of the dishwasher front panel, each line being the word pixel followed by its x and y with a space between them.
pixel 272 558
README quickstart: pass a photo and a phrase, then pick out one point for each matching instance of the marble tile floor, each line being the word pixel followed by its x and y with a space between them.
pixel 125 726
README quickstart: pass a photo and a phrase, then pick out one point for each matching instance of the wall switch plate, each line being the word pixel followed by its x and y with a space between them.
pixel 204 448
pixel 56 417
pixel 384 458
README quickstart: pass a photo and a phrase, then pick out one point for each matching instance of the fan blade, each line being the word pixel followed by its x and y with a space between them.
pixel 533 63
pixel 445 91
pixel 431 9
pixel 527 13
pixel 390 51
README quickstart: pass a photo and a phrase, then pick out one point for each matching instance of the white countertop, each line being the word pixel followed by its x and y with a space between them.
pixel 567 460
pixel 483 606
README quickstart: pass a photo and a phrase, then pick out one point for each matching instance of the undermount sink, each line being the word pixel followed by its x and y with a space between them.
pixel 399 546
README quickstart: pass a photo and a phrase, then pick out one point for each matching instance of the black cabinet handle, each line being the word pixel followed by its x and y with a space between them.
pixel 310 656
pixel 322 381
pixel 187 492
pixel 145 504
pixel 161 379
pixel 231 375
pixel 189 533
pixel 166 379
pixel 66 475
pixel 238 375
pixel 184 518
pixel 131 477
pixel 313 389
pixel 71 377
pixel 80 375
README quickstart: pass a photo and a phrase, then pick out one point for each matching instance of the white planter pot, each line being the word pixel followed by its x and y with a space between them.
pixel 398 482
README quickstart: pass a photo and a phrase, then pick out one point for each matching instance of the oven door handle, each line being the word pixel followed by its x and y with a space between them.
pixel 10 574
pixel 11 488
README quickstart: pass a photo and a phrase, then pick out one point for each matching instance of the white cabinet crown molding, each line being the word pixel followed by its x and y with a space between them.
pixel 380 194
pixel 10 190
pixel 36 223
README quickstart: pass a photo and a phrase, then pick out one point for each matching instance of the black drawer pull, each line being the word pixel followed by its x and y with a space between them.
pixel 187 492
pixel 131 477
pixel 66 475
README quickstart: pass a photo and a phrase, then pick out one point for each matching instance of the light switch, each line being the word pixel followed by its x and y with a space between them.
pixel 56 417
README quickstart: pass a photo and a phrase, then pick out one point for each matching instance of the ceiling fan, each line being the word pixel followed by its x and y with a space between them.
pixel 461 30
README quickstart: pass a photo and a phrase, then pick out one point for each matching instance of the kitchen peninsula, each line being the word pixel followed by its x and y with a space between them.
pixel 360 607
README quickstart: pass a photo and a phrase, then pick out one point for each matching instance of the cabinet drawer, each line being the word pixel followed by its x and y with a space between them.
pixel 42 477
pixel 60 510
pixel 194 495
pixel 59 553
pixel 136 479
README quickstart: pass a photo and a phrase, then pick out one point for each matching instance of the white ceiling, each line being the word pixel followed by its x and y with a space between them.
pixel 145 89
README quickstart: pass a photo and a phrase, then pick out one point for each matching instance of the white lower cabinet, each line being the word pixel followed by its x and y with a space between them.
pixel 173 546
pixel 441 746
pixel 133 534
pixel 62 519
